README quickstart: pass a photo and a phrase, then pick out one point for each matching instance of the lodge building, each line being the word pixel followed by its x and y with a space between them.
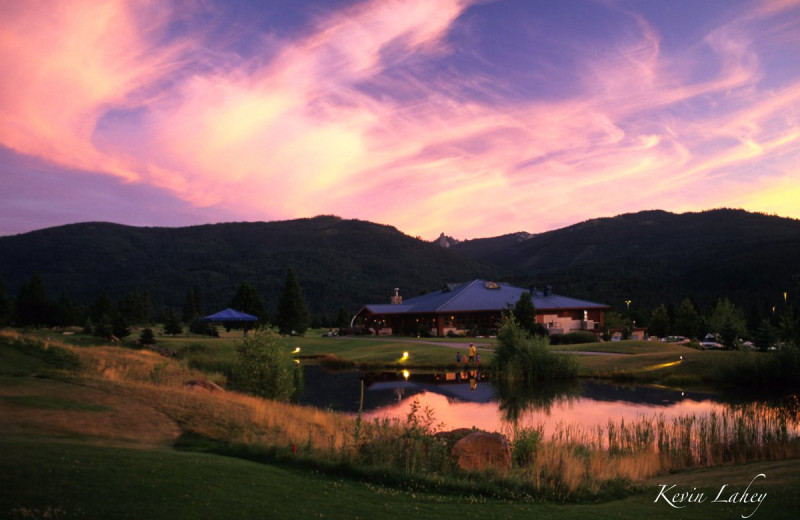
pixel 476 306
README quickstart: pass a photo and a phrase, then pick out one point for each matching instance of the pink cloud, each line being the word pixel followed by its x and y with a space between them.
pixel 300 133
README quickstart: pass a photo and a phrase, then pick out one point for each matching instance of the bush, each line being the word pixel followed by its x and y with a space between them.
pixel 526 443
pixel 265 366
pixel 519 356
pixel 147 337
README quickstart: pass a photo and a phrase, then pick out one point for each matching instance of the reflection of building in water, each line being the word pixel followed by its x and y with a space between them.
pixel 461 385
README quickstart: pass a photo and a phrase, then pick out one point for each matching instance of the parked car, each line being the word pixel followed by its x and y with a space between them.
pixel 710 341
pixel 681 340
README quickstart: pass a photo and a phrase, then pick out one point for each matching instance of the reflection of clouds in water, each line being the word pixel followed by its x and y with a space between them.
pixel 588 414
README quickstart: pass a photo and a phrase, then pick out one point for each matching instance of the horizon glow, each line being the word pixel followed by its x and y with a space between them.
pixel 468 117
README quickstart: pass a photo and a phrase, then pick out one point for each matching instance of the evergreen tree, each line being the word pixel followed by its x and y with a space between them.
pixel 64 313
pixel 5 305
pixel 765 335
pixel 102 313
pixel 292 317
pixel 728 321
pixel 248 300
pixel 172 323
pixel 344 317
pixel 193 307
pixel 119 326
pixel 687 320
pixel 525 313
pixel 659 322
pixel 32 305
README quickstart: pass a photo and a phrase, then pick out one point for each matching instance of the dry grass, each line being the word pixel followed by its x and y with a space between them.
pixel 148 401
pixel 148 380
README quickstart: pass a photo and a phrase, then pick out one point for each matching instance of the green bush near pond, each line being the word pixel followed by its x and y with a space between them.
pixel 523 358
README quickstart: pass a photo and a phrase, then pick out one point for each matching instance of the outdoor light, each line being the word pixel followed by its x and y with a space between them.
pixel 296 350
pixel 405 356
pixel 406 373
pixel 681 358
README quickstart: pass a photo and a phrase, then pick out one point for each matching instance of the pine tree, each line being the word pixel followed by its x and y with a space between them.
pixel 193 307
pixel 64 313
pixel 172 323
pixel 293 317
pixel 525 313
pixel 5 305
pixel 659 322
pixel 32 303
pixel 248 300
pixel 687 321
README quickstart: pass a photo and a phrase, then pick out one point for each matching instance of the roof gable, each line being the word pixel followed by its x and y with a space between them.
pixel 480 295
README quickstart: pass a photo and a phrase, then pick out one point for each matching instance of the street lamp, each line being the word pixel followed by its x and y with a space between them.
pixel 628 305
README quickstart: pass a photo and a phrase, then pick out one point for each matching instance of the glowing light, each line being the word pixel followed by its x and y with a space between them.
pixel 663 365
pixel 406 373
pixel 405 356
pixel 296 350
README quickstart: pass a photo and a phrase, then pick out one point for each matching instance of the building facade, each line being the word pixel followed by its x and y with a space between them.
pixel 476 308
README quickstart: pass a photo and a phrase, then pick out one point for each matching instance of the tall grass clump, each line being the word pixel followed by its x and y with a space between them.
pixel 520 357
pixel 410 446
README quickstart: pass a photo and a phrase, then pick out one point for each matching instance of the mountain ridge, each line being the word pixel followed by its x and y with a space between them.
pixel 649 257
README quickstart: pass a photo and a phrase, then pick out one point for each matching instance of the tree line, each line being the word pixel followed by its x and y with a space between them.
pixel 106 317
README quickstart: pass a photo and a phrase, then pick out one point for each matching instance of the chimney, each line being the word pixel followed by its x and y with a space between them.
pixel 548 291
pixel 396 299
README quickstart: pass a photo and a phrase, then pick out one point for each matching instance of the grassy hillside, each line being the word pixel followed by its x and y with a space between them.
pixel 98 439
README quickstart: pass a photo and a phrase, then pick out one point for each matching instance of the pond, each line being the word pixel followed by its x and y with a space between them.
pixel 466 400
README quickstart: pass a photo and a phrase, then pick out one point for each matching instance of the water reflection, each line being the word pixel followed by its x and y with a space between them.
pixel 516 397
pixel 468 399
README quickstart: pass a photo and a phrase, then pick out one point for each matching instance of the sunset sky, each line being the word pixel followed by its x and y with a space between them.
pixel 473 118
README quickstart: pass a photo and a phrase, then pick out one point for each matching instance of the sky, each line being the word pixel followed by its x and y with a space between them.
pixel 470 117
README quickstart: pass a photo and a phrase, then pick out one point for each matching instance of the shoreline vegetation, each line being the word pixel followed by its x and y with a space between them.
pixel 574 464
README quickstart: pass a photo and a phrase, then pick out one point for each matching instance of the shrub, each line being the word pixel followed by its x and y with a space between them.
pixel 147 337
pixel 519 356
pixel 527 442
pixel 265 366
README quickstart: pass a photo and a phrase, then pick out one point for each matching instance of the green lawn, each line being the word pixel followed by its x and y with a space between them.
pixel 45 478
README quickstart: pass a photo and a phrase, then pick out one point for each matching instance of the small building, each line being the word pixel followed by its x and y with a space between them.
pixel 474 308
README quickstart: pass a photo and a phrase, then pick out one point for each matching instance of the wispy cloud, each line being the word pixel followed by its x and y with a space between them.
pixel 363 114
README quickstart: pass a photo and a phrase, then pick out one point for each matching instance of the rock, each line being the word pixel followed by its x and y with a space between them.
pixel 452 437
pixel 482 450
pixel 203 384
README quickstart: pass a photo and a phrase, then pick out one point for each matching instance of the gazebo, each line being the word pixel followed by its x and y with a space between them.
pixel 229 315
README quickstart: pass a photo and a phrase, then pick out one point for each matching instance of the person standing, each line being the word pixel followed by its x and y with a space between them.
pixel 472 353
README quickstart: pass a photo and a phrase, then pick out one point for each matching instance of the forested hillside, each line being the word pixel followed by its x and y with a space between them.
pixel 656 257
pixel 648 258
pixel 339 263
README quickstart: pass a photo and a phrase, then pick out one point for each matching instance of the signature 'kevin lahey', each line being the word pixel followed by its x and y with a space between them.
pixel 726 495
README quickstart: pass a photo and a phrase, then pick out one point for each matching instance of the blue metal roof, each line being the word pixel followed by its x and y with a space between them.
pixel 480 295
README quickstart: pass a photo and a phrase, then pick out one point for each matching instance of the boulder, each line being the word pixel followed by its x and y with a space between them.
pixel 482 450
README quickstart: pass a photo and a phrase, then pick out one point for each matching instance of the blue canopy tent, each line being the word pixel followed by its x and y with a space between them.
pixel 230 316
